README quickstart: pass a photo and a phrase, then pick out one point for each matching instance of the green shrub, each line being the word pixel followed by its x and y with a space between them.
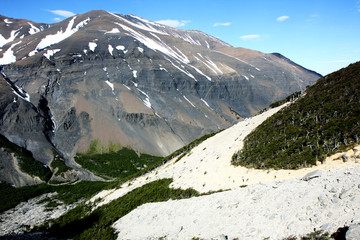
pixel 26 161
pixel 82 223
pixel 324 121
pixel 119 165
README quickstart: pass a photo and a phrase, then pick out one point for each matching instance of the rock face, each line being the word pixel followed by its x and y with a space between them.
pixel 123 79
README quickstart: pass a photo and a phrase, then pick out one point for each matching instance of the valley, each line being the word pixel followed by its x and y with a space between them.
pixel 116 127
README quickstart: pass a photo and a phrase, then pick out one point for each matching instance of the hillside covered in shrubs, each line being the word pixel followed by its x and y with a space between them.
pixel 326 119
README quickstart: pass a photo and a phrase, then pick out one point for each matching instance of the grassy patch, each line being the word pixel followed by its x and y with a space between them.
pixel 119 165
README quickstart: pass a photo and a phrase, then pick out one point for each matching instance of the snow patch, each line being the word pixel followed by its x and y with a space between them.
pixel 206 104
pixel 111 49
pixel 189 101
pixel 51 52
pixel 92 46
pixel 140 49
pixel 141 25
pixel 8 56
pixel 114 30
pixel 122 48
pixel 111 85
pixel 12 37
pixel 7 21
pixel 155 45
pixel 245 77
pixel 127 87
pixel 60 35
pixel 182 70
pixel 33 29
pixel 198 70
pixel 135 84
pixel 146 101
pixel 134 73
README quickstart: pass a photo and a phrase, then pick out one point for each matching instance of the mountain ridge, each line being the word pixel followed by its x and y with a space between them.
pixel 126 80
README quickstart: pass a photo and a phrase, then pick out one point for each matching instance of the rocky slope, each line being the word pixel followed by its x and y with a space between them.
pixel 126 80
pixel 294 202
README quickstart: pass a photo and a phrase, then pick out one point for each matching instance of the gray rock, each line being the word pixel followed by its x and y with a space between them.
pixel 353 232
pixel 345 193
pixel 335 200
pixel 311 175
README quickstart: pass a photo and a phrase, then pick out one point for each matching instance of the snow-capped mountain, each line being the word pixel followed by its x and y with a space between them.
pixel 124 79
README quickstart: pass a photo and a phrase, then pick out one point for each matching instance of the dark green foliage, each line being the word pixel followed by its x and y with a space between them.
pixel 26 161
pixel 81 223
pixel 289 98
pixel 324 121
pixel 11 196
pixel 68 193
pixel 120 165
pixel 59 164
pixel 317 235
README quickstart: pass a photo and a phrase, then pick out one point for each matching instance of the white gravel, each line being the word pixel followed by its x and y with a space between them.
pixel 275 209
pixel 28 214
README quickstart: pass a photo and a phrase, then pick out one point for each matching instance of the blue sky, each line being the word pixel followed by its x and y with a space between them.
pixel 321 35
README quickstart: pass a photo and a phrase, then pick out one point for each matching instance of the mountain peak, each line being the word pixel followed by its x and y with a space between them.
pixel 123 79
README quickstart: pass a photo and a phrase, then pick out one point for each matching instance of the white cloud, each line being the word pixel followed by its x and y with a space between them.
pixel 312 17
pixel 57 19
pixel 173 23
pixel 249 37
pixel 222 24
pixel 282 18
pixel 62 13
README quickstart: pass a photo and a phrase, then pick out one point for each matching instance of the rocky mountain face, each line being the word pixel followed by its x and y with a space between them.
pixel 126 80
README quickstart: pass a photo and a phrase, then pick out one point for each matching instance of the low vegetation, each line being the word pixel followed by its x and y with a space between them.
pixel 68 193
pixel 324 121
pixel 26 161
pixel 58 164
pixel 82 223
pixel 118 165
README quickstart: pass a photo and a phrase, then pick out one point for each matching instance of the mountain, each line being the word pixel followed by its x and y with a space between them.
pixel 198 193
pixel 121 79
pixel 13 29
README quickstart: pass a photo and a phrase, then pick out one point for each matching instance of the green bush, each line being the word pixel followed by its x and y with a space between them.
pixel 324 121
pixel 119 165
pixel 59 164
pixel 82 223
pixel 26 161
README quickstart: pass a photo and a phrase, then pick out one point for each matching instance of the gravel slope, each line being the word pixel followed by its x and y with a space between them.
pixel 275 209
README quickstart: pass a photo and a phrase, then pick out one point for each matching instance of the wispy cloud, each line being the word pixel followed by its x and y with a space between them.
pixel 224 24
pixel 249 37
pixel 282 18
pixel 173 23
pixel 62 13
pixel 312 17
